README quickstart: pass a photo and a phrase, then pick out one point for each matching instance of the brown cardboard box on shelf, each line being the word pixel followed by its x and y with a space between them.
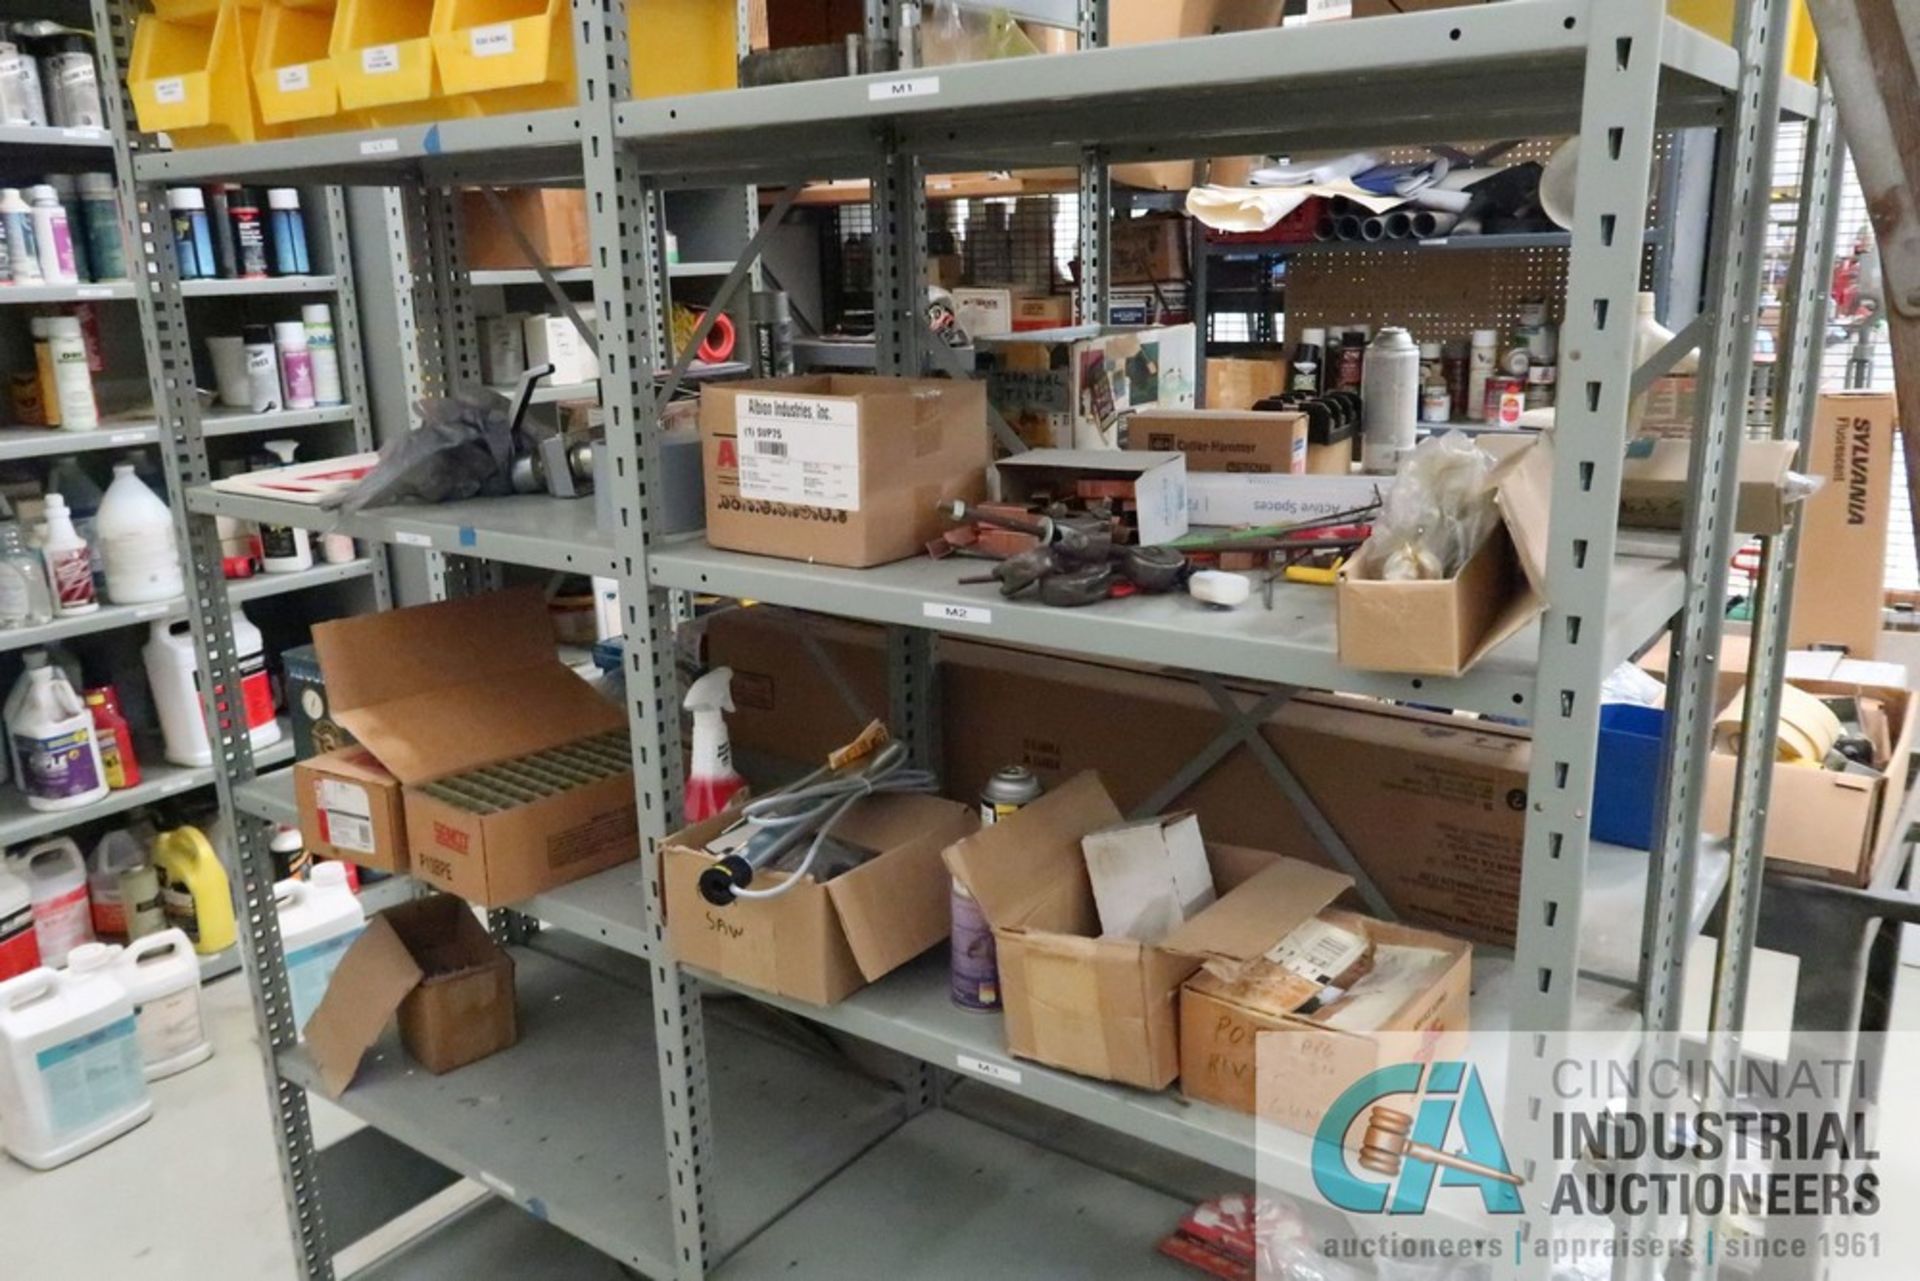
pixel 844 469
pixel 553 220
pixel 1825 824
pixel 1150 250
pixel 1243 382
pixel 1158 481
pixel 351 808
pixel 1653 485
pixel 1230 1053
pixel 1443 627
pixel 431 963
pixel 1385 8
pixel 1102 1007
pixel 1069 388
pixel 1225 440
pixel 823 942
pixel 1152 21
pixel 1843 538
pixel 441 693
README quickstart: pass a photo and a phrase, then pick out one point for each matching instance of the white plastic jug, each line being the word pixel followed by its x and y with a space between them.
pixel 19 949
pixel 55 743
pixel 137 545
pixel 162 975
pixel 118 851
pixel 173 674
pixel 56 877
pixel 319 919
pixel 70 1075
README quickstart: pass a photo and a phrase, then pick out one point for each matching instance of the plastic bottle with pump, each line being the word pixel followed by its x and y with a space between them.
pixel 193 888
pixel 70 480
pixel 712 781
pixel 69 562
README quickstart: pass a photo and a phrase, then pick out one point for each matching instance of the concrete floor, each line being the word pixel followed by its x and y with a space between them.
pixel 194 1194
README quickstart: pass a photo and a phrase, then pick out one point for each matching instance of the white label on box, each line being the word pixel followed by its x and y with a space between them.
pixel 347 831
pixel 380 59
pixel 380 147
pixel 1319 951
pixel 892 90
pixel 958 613
pixel 492 42
pixel 800 449
pixel 172 89
pixel 341 797
pixel 1320 11
pixel 293 79
pixel 992 1071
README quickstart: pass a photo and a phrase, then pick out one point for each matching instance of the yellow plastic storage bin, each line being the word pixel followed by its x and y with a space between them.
pixel 511 55
pixel 200 13
pixel 1715 17
pixel 682 46
pixel 193 82
pixel 293 76
pixel 383 62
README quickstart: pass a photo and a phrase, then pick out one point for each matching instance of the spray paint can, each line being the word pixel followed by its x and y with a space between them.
pixel 974 967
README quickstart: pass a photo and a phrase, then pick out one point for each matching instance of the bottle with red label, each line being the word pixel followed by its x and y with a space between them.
pixel 56 878
pixel 173 676
pixel 115 737
pixel 19 948
pixel 69 562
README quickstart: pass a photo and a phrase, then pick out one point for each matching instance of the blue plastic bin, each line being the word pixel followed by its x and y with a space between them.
pixel 1626 777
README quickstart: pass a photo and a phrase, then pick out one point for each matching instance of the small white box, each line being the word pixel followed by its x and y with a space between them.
pixel 552 340
pixel 984 313
pixel 1238 498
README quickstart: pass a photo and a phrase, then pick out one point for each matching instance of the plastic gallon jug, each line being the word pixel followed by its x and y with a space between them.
pixel 117 853
pixel 19 949
pixel 55 745
pixel 70 1076
pixel 137 544
pixel 319 920
pixel 162 975
pixel 56 877
pixel 173 675
pixel 193 889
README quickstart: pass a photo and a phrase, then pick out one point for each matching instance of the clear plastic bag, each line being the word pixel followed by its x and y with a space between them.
pixel 463 448
pixel 1437 514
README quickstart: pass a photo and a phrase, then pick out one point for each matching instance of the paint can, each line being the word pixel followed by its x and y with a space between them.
pixel 1009 791
pixel 974 967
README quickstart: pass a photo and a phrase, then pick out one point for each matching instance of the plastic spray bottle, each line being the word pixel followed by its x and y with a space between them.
pixel 712 781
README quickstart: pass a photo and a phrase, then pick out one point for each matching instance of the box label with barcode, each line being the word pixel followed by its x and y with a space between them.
pixel 800 449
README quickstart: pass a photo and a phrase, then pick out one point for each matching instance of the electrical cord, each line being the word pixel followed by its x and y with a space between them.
pixel 783 819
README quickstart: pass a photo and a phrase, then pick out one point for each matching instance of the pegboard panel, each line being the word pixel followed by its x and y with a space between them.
pixel 1434 296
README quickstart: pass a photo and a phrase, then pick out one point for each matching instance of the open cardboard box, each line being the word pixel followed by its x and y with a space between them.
pixel 822 943
pixel 1107 1007
pixel 431 963
pixel 1252 1057
pixel 1653 485
pixel 1444 626
pixel 422 689
pixel 351 808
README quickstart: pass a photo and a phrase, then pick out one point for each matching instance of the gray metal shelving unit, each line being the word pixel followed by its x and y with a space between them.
pixel 661 1118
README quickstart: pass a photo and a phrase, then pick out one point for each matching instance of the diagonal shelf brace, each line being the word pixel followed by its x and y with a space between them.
pixel 723 296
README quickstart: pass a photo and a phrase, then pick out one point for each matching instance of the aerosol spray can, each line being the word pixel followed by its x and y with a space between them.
pixel 975 968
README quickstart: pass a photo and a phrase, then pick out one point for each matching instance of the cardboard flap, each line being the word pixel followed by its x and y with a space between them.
pixel 478 640
pixel 1248 921
pixel 1028 869
pixel 891 909
pixel 429 735
pixel 373 978
pixel 1523 490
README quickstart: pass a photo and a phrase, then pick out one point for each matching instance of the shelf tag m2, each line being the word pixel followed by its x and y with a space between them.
pixel 800 449
pixel 944 612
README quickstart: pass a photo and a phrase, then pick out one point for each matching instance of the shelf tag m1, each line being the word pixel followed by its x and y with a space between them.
pixel 895 90
pixel 992 1071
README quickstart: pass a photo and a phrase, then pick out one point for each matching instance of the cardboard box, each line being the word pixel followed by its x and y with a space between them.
pixel 351 808
pixel 1443 627
pixel 422 689
pixel 1149 250
pixel 1244 1054
pixel 1653 485
pixel 553 220
pixel 1102 1007
pixel 1834 826
pixel 823 942
pixel 1069 388
pixel 552 340
pixel 314 729
pixel 1222 440
pixel 1218 498
pixel 996 313
pixel 840 468
pixel 1670 406
pixel 431 963
pixel 1159 483
pixel 1242 383
pixel 1033 313
pixel 1386 8
pixel 1843 537
pixel 1133 22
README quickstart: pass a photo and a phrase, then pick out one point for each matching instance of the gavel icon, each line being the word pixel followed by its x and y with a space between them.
pixel 1388 1141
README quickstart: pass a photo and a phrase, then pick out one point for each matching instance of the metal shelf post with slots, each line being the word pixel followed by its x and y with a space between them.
pixel 699 1137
